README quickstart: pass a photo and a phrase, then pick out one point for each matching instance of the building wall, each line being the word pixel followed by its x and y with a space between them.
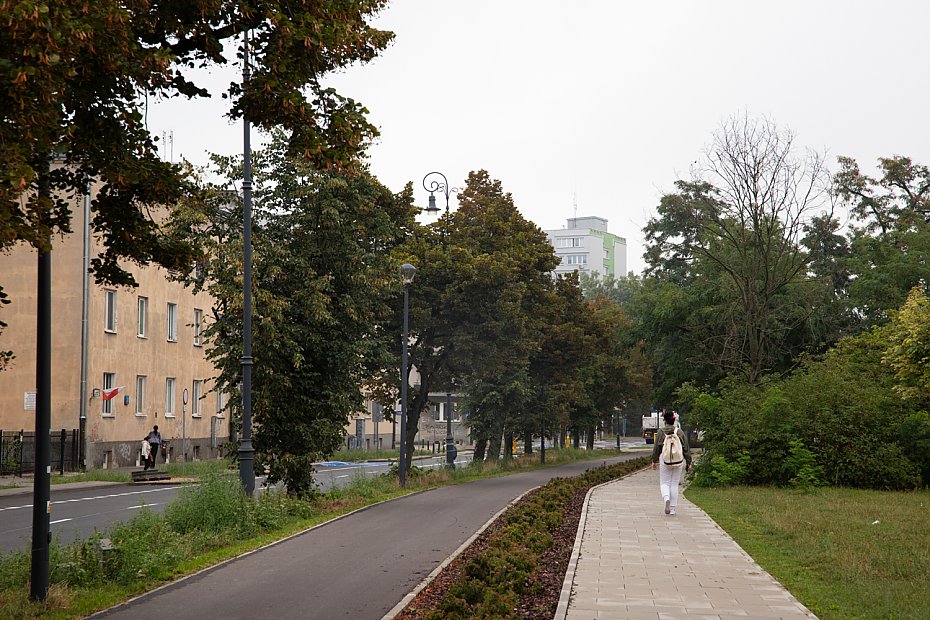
pixel 112 439
pixel 601 251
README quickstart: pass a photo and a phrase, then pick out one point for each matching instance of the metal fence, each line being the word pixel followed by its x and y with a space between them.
pixel 18 451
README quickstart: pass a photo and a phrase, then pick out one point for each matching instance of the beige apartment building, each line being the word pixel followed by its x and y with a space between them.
pixel 146 341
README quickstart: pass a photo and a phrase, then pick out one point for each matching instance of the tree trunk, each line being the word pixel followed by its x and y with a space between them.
pixel 561 437
pixel 494 442
pixel 527 442
pixel 481 445
pixel 576 438
pixel 508 447
pixel 590 442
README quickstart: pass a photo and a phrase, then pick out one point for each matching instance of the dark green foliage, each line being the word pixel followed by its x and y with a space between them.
pixel 914 438
pixel 482 279
pixel 802 466
pixel 76 78
pixel 717 471
pixel 324 285
pixel 842 408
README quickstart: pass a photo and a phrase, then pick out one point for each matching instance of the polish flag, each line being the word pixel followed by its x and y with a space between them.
pixel 108 394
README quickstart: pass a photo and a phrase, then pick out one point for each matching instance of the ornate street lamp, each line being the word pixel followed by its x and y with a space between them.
pixel 407 271
pixel 434 185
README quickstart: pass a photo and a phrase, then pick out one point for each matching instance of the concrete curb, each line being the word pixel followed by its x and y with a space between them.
pixel 103 612
pixel 96 484
pixel 561 611
pixel 65 486
pixel 399 607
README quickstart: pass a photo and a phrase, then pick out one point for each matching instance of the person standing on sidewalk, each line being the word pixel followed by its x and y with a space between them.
pixel 154 439
pixel 670 474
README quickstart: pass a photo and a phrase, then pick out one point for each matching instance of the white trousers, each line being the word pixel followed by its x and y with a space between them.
pixel 669 477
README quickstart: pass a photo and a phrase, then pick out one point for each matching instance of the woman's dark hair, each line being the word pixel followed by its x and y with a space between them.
pixel 669 417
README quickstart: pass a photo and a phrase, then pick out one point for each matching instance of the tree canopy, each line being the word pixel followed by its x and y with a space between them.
pixel 76 78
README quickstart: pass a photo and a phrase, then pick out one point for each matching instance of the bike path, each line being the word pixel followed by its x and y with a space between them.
pixel 356 567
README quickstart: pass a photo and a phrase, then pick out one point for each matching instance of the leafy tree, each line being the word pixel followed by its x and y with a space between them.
pixel 909 347
pixel 75 79
pixel 891 243
pixel 737 229
pixel 325 284
pixel 620 290
pixel 479 271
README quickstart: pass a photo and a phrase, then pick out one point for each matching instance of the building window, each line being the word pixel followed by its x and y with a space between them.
pixel 198 322
pixel 143 318
pixel 570 242
pixel 196 395
pixel 220 404
pixel 170 396
pixel 576 259
pixel 109 382
pixel 109 311
pixel 172 322
pixel 140 394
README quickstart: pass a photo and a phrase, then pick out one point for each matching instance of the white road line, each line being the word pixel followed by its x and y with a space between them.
pixel 343 476
pixel 58 521
pixel 142 506
pixel 84 499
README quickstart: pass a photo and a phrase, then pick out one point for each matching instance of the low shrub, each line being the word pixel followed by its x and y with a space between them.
pixel 836 420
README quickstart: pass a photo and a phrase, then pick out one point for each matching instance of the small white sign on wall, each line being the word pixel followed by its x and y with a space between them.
pixel 29 401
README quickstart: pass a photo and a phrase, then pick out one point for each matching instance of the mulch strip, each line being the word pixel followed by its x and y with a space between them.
pixel 549 576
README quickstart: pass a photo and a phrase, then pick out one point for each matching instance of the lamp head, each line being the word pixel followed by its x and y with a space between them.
pixel 407 271
pixel 432 208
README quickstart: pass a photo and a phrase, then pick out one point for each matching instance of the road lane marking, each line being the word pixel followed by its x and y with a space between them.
pixel 142 506
pixel 58 521
pixel 84 499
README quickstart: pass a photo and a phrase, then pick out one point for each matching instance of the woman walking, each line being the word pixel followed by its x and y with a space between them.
pixel 672 454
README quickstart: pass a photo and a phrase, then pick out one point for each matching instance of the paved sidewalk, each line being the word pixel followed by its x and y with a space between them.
pixel 634 562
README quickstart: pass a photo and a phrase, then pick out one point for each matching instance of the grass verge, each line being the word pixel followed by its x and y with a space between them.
pixel 844 553
pixel 209 523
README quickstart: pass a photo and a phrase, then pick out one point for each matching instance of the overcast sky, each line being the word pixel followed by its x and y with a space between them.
pixel 609 102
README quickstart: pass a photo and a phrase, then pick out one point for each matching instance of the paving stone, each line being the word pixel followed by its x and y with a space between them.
pixel 637 563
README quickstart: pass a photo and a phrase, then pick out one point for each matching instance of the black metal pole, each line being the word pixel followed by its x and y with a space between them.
pixel 246 452
pixel 403 390
pixel 41 494
pixel 450 442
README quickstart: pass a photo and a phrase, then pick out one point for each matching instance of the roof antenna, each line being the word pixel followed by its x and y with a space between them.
pixel 575 203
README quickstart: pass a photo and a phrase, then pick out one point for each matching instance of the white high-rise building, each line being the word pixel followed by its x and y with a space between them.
pixel 586 246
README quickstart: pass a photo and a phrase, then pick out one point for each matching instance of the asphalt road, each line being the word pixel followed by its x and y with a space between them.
pixel 358 567
pixel 78 513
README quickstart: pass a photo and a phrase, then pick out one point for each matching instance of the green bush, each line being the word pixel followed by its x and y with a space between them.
pixel 717 471
pixel 842 408
pixel 802 467
pixel 914 437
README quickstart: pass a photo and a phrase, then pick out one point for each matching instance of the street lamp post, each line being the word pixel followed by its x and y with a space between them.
pixel 407 271
pixel 433 184
pixel 450 443
pixel 246 452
